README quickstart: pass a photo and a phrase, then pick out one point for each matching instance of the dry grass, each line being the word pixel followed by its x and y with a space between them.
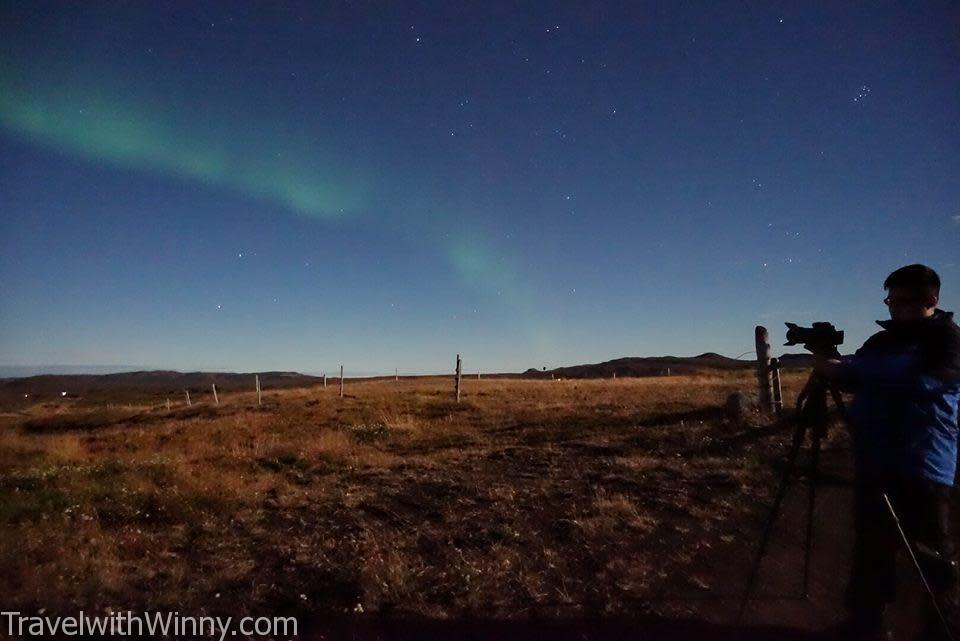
pixel 529 497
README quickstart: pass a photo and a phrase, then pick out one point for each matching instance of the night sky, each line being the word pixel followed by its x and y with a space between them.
pixel 250 186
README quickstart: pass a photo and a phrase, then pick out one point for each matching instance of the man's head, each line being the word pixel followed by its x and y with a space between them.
pixel 912 292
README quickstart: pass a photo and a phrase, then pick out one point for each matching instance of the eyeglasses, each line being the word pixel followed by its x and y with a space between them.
pixel 899 301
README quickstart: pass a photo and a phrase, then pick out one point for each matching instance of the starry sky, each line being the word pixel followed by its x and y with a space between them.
pixel 256 186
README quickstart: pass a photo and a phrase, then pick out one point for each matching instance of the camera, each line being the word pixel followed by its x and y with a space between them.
pixel 819 338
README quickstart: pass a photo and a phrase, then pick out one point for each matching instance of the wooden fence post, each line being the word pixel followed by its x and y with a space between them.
pixel 168 404
pixel 187 392
pixel 215 398
pixel 259 400
pixel 777 390
pixel 458 377
pixel 324 380
pixel 396 374
pixel 763 368
pixel 341 381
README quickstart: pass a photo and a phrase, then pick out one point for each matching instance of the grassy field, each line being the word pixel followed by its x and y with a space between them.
pixel 528 498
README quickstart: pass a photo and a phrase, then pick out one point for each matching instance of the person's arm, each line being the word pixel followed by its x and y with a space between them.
pixel 830 369
pixel 900 374
pixel 883 369
pixel 940 355
pixel 870 365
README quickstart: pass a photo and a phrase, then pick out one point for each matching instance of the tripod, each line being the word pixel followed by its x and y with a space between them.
pixel 812 415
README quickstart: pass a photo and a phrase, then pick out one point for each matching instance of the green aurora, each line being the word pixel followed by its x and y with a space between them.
pixel 93 121
pixel 98 126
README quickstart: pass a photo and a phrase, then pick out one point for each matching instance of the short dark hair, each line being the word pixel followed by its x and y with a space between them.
pixel 918 278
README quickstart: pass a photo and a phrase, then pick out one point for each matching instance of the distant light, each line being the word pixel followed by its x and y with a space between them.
pixel 26 395
pixel 63 393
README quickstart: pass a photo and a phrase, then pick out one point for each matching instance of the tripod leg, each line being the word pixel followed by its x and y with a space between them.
pixel 812 480
pixel 916 564
pixel 798 438
pixel 838 402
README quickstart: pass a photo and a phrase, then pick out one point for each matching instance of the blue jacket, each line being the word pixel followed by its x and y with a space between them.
pixel 906 384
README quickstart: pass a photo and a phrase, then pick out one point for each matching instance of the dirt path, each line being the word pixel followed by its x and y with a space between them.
pixel 776 612
pixel 776 600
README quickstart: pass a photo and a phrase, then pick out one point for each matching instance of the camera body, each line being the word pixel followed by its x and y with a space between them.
pixel 820 338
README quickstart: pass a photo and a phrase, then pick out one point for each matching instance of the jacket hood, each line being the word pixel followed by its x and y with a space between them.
pixel 939 316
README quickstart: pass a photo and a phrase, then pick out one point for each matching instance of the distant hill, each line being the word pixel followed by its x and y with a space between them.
pixel 153 385
pixel 796 361
pixel 661 366
pixel 158 385
pixel 22 371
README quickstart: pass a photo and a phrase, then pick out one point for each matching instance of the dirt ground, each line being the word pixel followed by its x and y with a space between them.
pixel 533 509
pixel 702 600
